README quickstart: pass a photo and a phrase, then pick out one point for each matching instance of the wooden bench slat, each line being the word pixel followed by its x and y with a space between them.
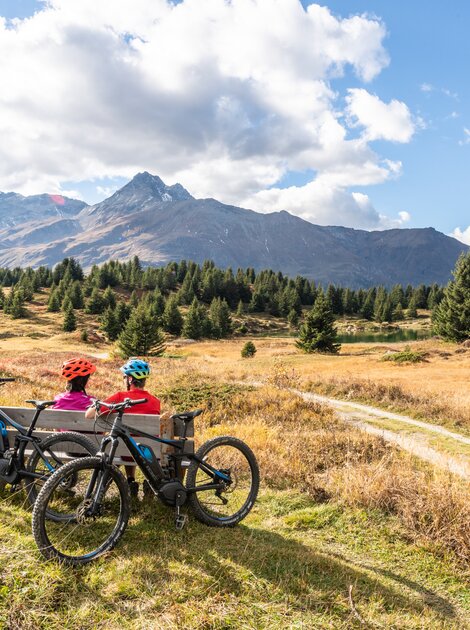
pixel 76 421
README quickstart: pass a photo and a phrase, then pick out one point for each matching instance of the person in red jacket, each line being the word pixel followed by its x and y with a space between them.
pixel 134 373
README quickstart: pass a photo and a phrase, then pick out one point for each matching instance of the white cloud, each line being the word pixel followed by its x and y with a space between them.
pixel 426 87
pixel 404 216
pixel 466 138
pixel 464 236
pixel 226 97
pixel 381 121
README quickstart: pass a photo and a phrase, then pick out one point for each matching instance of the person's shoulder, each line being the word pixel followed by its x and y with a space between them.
pixel 115 398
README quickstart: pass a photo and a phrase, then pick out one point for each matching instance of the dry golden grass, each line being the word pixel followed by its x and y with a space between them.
pixel 436 389
pixel 430 504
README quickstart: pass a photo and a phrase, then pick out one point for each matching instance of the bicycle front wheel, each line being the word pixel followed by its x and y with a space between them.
pixel 97 509
pixel 228 504
pixel 58 449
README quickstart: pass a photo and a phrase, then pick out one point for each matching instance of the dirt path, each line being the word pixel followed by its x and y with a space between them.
pixel 369 418
pixel 430 442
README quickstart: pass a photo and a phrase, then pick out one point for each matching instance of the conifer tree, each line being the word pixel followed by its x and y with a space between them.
pixel 122 312
pixel 134 299
pixel 141 336
pixel 75 293
pixel 16 308
pixel 172 318
pixel 70 321
pixel 109 324
pixel 95 304
pixel 196 323
pixel 411 311
pixel 248 350
pixel 293 318
pixel 318 333
pixel 109 298
pixel 451 317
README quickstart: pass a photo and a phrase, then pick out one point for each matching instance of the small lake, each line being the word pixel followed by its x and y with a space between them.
pixel 384 337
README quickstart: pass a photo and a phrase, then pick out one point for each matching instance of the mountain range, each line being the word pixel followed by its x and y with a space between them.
pixel 161 223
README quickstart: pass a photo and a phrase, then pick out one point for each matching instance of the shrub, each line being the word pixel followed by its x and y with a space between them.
pixel 248 350
pixel 405 356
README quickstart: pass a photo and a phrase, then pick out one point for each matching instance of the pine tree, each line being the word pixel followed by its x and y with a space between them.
pixel 221 321
pixel 53 304
pixel 70 321
pixel 398 314
pixel 16 309
pixel 109 324
pixel 141 336
pixel 122 312
pixel 196 324
pixel 95 304
pixel 75 295
pixel 109 298
pixel 172 318
pixel 317 333
pixel 411 311
pixel 293 318
pixel 451 317
pixel 248 350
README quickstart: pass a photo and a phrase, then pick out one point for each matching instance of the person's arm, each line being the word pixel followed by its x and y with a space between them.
pixel 91 411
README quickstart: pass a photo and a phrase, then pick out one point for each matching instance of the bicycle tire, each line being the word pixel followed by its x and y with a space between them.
pixel 195 499
pixel 35 459
pixel 41 525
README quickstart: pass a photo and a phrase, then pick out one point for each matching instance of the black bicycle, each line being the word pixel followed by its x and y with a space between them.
pixel 17 467
pixel 221 487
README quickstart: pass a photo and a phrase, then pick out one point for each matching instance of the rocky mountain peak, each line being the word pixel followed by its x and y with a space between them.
pixel 153 185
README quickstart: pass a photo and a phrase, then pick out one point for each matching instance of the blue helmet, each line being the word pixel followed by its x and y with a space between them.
pixel 136 368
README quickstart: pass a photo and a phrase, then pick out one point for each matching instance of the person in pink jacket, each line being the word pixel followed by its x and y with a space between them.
pixel 76 372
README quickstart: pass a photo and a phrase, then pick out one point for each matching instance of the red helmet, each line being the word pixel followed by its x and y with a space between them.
pixel 77 367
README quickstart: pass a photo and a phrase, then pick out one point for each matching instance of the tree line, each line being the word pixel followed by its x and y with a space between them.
pixel 128 297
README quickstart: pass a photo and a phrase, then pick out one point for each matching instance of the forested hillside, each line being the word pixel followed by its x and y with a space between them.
pixel 195 301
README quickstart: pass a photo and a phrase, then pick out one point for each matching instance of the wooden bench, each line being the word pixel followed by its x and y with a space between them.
pixel 54 419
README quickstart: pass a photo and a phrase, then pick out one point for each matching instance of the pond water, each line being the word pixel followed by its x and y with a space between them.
pixel 383 337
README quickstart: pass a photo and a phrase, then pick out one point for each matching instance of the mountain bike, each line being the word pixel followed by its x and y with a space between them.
pixel 221 487
pixel 31 471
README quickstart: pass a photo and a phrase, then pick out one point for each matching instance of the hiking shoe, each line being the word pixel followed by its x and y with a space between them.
pixel 133 487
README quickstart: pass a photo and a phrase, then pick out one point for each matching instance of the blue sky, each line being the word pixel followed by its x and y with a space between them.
pixel 428 48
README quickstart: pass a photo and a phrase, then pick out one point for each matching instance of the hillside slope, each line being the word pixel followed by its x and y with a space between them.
pixel 161 223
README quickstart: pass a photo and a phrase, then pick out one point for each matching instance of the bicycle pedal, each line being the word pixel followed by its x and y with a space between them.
pixel 180 521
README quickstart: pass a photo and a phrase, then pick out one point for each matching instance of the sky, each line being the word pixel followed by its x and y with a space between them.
pixel 348 112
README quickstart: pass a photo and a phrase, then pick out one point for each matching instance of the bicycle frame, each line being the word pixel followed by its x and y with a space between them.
pixel 122 431
pixel 26 437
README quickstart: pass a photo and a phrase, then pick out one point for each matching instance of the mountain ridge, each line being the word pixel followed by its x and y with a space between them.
pixel 160 223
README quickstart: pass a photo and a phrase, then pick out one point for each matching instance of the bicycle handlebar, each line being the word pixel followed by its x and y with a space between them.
pixel 127 402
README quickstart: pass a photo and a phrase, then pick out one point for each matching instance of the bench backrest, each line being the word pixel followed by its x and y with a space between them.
pixel 53 419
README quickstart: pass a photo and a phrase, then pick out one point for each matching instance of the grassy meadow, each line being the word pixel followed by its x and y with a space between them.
pixel 348 531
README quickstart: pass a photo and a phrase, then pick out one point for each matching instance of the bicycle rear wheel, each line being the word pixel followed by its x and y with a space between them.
pixel 94 524
pixel 58 449
pixel 228 505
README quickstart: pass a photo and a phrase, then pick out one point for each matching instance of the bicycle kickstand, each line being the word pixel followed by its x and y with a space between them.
pixel 180 519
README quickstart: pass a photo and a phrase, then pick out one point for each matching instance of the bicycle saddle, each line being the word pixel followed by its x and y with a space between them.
pixel 41 404
pixel 186 416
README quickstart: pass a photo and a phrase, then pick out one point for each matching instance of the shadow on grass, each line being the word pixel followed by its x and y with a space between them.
pixel 243 558
pixel 254 564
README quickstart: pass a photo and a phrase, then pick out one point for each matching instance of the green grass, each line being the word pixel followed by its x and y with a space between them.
pixel 289 565
pixel 405 356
